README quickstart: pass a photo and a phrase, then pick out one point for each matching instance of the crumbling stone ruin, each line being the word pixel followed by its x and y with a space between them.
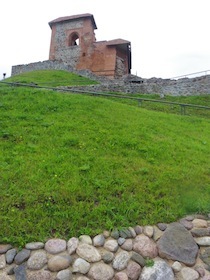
pixel 73 42
pixel 74 48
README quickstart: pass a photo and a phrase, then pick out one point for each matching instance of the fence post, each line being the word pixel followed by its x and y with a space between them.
pixel 139 102
pixel 183 109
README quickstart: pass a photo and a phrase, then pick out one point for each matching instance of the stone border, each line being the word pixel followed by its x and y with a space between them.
pixel 179 250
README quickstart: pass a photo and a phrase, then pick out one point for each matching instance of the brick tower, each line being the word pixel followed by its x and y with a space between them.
pixel 73 42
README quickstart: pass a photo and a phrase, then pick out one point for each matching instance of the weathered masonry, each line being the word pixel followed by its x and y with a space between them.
pixel 73 42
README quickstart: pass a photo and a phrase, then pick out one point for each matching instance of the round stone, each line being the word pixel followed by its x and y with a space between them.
pixel 138 258
pixel 132 231
pixel 200 232
pixel 58 263
pixel 10 255
pixel 162 226
pixel 2 261
pixel 55 246
pixel 148 231
pixel 127 245
pixel 40 275
pixel 138 230
pixel 64 275
pixel 115 234
pixel 159 271
pixel 125 233
pixel 176 266
pixel 81 266
pixel 111 245
pixel 189 274
pixel 86 239
pixel 145 246
pixel 107 257
pixel 205 256
pixel 187 224
pixel 189 218
pixel 10 270
pixel 34 245
pixel 4 248
pixel 200 269
pixel 106 233
pixel 200 223
pixel 121 240
pixel 22 256
pixel 37 260
pixel 157 233
pixel 100 271
pixel 121 276
pixel 203 241
pixel 121 260
pixel 88 252
pixel 72 245
pixel 133 270
pixel 99 240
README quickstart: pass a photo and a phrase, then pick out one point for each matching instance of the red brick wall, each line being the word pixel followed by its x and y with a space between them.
pixel 95 56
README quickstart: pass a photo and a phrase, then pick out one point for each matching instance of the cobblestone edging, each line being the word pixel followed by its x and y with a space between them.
pixel 179 250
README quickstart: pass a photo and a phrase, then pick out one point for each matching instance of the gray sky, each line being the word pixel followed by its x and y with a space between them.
pixel 168 37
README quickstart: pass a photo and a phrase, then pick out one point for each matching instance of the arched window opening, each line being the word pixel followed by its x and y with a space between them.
pixel 74 39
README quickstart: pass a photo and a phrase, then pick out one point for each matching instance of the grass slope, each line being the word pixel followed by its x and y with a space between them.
pixel 201 100
pixel 51 78
pixel 74 165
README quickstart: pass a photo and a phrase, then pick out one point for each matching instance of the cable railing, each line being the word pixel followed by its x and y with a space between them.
pixel 195 74
pixel 139 100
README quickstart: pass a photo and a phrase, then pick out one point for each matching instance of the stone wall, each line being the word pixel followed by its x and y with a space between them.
pixel 55 65
pixel 66 53
pixel 69 54
pixel 41 65
pixel 120 67
pixel 99 57
pixel 127 84
pixel 184 87
pixel 179 250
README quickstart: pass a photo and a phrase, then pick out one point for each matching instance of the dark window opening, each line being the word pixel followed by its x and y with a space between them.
pixel 74 39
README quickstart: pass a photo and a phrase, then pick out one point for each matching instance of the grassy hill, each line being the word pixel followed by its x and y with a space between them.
pixel 74 165
pixel 52 78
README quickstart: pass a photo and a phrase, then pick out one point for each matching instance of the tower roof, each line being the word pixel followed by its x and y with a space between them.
pixel 117 42
pixel 69 18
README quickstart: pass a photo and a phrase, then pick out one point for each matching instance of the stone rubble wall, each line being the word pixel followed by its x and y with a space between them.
pixel 120 67
pixel 176 251
pixel 184 87
pixel 69 54
pixel 41 65
pixel 54 65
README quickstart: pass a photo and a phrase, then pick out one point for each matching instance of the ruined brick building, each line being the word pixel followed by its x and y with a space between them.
pixel 74 47
pixel 73 42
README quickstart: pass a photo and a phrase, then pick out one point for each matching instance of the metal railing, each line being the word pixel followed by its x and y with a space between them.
pixel 183 106
pixel 196 74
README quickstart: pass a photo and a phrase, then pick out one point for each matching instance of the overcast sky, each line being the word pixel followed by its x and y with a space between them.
pixel 168 37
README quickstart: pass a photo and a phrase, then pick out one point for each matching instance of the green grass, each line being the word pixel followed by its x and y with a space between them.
pixel 51 78
pixel 55 78
pixel 202 100
pixel 73 164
